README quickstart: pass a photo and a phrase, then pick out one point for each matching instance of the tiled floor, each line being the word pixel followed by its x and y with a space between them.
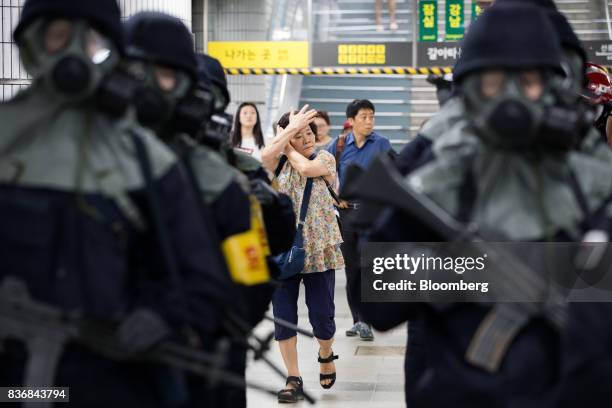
pixel 374 378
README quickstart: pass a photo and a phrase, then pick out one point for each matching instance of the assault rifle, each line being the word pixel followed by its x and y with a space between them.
pixel 46 330
pixel 383 185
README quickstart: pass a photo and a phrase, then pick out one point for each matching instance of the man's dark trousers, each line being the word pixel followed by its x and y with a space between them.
pixel 352 258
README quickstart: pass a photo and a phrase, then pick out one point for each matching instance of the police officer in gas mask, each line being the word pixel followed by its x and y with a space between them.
pixel 277 207
pixel 567 119
pixel 498 172
pixel 90 206
pixel 172 100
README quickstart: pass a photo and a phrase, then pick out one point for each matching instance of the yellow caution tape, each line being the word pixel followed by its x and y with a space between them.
pixel 341 71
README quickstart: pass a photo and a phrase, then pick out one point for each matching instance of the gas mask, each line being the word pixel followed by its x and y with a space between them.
pixel 568 116
pixel 215 132
pixel 159 91
pixel 69 57
pixel 192 112
pixel 505 116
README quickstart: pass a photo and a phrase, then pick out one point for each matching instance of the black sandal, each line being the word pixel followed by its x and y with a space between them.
pixel 292 395
pixel 332 376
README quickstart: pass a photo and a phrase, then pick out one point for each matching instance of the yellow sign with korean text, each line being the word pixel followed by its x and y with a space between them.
pixel 260 54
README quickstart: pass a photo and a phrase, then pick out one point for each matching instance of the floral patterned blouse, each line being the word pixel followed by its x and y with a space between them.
pixel 322 236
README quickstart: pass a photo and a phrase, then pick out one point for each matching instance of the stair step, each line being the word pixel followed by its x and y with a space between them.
pixel 398 12
pixel 349 100
pixel 357 88
pixel 369 29
pixel 378 114
pixel 371 21
pixel 380 127
pixel 372 2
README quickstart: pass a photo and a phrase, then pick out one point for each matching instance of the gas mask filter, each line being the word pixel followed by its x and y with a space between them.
pixel 70 57
pixel 501 111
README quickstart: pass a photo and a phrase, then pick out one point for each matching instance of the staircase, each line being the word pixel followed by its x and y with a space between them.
pixel 404 103
pixel 389 94
pixel 355 20
pixel 587 17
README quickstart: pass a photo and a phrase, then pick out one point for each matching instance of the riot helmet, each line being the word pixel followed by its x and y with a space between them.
pixel 508 59
pixel 70 46
pixel 568 118
pixel 211 79
pixel 160 55
pixel 211 76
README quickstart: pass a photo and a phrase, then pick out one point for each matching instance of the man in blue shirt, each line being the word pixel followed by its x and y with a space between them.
pixel 359 147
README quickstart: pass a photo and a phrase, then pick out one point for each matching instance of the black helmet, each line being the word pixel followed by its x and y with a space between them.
pixel 160 38
pixel 211 77
pixel 509 37
pixel 104 15
pixel 564 30
pixel 545 4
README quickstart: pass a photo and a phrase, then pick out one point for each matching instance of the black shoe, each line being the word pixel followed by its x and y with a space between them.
pixel 332 376
pixel 292 395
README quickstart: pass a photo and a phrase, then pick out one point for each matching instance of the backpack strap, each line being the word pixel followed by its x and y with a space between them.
pixel 340 143
pixel 156 209
pixel 467 198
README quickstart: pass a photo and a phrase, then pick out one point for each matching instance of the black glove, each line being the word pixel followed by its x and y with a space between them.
pixel 141 330
pixel 264 193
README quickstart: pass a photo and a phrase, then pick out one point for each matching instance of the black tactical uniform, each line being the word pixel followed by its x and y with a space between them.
pixel 78 221
pixel 226 203
pixel 475 177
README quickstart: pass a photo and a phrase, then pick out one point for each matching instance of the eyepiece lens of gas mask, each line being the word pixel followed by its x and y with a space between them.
pixel 531 84
pixel 136 69
pixel 97 47
pixel 492 83
pixel 57 35
pixel 166 79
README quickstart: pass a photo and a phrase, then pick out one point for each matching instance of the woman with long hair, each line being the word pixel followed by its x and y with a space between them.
pixel 246 133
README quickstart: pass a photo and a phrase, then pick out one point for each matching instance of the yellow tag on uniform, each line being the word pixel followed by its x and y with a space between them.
pixel 245 253
pixel 245 259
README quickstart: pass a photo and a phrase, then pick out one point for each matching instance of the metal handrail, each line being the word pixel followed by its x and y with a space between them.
pixel 274 22
pixel 608 20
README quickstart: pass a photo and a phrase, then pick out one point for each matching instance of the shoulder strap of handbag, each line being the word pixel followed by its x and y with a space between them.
pixel 281 163
pixel 305 202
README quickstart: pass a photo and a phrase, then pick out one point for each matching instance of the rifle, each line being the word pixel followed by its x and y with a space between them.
pixel 46 330
pixel 382 184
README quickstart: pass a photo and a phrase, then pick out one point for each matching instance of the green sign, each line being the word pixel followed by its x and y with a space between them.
pixel 455 18
pixel 428 20
pixel 476 10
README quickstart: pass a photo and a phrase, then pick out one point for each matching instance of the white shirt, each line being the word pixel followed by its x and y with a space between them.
pixel 249 146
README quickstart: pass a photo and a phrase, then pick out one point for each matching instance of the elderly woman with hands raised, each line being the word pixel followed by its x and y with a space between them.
pixel 291 156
